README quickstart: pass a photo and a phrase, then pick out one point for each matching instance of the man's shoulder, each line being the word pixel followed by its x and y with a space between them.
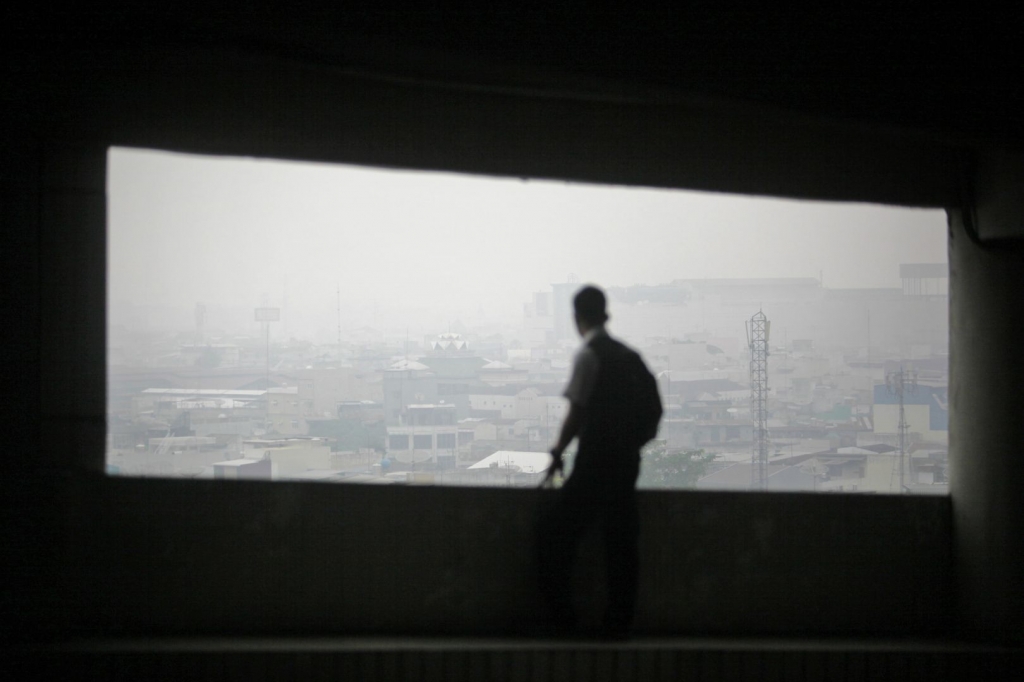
pixel 609 344
pixel 586 360
pixel 586 353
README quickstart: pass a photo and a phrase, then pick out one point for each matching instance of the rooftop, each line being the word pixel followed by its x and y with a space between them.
pixel 314 475
pixel 407 365
pixel 219 392
pixel 237 462
pixel 525 462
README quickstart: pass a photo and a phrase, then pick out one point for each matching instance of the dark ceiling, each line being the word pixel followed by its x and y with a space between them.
pixel 948 72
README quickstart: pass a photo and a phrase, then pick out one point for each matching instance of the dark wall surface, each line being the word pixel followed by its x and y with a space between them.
pixel 953 71
pixel 986 432
pixel 212 557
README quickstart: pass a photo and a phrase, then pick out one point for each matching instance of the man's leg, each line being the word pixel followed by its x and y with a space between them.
pixel 558 535
pixel 621 526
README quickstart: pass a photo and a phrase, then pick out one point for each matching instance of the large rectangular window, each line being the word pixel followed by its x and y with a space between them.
pixel 797 346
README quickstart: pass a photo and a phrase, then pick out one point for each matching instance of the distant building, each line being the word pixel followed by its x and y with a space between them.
pixel 449 344
pixel 211 354
pixel 709 434
pixel 507 468
pixel 539 320
pixel 450 357
pixel 688 356
pixel 327 387
pixel 243 469
pixel 492 405
pixel 498 373
pixel 290 455
pixel 360 411
pixel 288 409
pixel 427 433
pixel 525 462
pixel 407 382
pixel 169 401
pixel 926 411
pixel 925 279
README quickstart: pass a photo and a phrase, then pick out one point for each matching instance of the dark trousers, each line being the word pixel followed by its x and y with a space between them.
pixel 578 507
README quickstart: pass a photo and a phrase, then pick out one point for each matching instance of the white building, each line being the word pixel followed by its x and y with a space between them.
pixel 243 469
pixel 429 433
pixel 290 455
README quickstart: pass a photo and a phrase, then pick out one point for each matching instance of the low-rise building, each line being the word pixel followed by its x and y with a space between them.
pixel 428 433
pixel 925 409
pixel 288 409
pixel 243 469
pixel 290 455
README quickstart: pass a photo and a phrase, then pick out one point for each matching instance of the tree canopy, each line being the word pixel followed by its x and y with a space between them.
pixel 662 467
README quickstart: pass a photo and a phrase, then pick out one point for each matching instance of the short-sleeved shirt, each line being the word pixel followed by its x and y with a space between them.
pixel 584 371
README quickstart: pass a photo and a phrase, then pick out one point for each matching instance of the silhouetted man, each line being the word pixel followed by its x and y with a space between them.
pixel 614 409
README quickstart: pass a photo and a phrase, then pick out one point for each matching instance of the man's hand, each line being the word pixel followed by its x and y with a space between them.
pixel 570 427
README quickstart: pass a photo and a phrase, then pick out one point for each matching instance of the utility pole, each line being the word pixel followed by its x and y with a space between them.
pixel 899 384
pixel 266 316
pixel 758 332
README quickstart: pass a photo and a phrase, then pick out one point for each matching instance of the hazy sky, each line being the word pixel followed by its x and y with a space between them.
pixel 425 248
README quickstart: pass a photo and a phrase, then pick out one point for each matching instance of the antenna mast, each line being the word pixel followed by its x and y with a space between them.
pixel 899 384
pixel 758 332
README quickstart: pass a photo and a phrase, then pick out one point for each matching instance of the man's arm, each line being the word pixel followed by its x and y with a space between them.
pixel 570 429
pixel 581 385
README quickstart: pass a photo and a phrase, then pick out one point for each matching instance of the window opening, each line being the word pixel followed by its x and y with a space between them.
pixel 414 327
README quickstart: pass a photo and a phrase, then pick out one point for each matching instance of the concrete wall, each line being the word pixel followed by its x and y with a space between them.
pixel 194 557
pixel 986 373
pixel 91 554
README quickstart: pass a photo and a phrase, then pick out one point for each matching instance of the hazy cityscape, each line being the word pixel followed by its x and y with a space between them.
pixel 287 321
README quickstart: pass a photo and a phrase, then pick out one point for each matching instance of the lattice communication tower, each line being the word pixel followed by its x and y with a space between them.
pixel 758 332
pixel 903 382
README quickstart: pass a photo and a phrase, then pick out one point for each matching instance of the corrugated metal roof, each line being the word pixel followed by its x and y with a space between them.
pixel 204 391
pixel 526 462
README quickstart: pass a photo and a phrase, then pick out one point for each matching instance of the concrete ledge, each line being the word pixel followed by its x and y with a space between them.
pixel 182 557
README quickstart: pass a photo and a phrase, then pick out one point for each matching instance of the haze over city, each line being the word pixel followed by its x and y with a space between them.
pixel 421 327
pixel 422 249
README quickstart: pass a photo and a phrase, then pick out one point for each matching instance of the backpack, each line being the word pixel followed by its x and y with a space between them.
pixel 627 406
pixel 644 401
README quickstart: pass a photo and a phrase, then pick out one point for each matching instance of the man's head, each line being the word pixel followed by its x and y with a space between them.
pixel 589 304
